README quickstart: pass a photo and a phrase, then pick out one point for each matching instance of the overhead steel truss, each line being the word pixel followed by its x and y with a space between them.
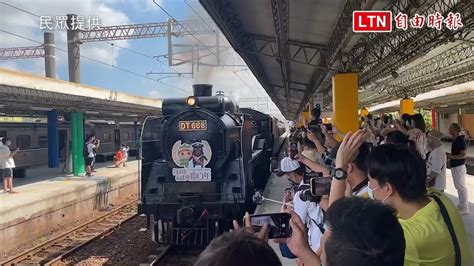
pixel 147 30
pixel 280 13
pixel 22 52
pixel 455 65
pixel 377 55
pixel 321 80
pixel 298 51
pixel 224 14
pixel 374 56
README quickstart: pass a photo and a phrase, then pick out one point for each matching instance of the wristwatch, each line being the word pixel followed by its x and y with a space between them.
pixel 339 174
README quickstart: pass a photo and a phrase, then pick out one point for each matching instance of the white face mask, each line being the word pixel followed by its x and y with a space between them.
pixel 370 191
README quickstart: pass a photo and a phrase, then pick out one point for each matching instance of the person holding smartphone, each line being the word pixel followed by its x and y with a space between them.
pixel 310 212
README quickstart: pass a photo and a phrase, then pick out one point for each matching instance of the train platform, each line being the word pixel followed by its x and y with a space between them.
pixel 275 187
pixel 47 200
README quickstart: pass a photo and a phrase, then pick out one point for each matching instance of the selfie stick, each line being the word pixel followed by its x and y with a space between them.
pixel 258 198
pixel 276 201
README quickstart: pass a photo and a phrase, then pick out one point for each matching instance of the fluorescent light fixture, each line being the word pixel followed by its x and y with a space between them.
pixel 461 103
pixel 133 115
pixel 43 109
pixel 444 105
pixel 117 114
pixel 92 112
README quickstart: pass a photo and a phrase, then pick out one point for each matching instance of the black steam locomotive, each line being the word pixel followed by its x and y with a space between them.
pixel 202 161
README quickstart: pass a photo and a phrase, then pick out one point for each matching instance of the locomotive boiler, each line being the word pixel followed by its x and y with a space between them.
pixel 198 167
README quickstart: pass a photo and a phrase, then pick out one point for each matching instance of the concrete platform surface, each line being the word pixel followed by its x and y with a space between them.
pixel 42 206
pixel 275 187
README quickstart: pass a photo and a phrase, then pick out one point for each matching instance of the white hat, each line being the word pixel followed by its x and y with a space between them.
pixel 288 165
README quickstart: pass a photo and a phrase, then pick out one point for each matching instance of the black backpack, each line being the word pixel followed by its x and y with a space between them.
pixel 85 152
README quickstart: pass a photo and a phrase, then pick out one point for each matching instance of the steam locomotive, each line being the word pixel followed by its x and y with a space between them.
pixel 201 163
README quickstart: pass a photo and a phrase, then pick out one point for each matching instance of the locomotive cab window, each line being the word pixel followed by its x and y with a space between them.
pixel 23 141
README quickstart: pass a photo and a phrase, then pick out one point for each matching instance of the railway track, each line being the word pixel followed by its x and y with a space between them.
pixel 59 247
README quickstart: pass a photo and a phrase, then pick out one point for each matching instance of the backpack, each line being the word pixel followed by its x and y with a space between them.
pixel 85 152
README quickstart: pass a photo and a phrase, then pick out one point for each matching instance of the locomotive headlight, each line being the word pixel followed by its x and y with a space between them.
pixel 191 101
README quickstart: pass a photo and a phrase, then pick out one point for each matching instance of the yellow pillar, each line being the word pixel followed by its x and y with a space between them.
pixel 407 106
pixel 345 101
pixel 306 114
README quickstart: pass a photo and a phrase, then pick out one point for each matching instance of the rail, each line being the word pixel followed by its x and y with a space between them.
pixel 54 250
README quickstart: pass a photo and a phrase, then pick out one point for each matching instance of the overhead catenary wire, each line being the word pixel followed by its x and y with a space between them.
pixel 100 62
pixel 201 43
pixel 95 60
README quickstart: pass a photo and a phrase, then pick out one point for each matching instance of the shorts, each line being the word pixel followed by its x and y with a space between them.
pixel 7 172
pixel 89 161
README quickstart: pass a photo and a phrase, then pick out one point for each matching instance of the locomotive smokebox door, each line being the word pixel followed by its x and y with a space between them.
pixel 185 216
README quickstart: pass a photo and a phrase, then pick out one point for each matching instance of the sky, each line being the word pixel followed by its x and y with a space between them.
pixel 117 61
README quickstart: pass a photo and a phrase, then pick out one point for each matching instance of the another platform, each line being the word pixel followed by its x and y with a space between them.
pixel 41 207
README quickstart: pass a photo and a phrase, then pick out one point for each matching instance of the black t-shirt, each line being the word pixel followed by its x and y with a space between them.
pixel 458 145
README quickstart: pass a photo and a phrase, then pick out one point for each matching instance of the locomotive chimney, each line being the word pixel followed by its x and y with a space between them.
pixel 202 90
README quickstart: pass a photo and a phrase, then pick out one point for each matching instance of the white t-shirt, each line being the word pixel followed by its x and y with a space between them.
pixel 6 161
pixel 310 212
pixel 363 192
pixel 90 150
pixel 437 164
pixel 419 138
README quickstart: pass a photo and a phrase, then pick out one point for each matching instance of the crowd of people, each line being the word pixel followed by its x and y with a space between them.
pixel 386 204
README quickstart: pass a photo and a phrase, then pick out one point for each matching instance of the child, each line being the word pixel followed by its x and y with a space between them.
pixel 119 158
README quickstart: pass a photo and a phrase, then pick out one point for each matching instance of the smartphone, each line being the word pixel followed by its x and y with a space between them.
pixel 308 176
pixel 293 149
pixel 279 224
pixel 320 186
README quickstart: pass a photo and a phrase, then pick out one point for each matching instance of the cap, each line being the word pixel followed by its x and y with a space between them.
pixel 435 134
pixel 287 165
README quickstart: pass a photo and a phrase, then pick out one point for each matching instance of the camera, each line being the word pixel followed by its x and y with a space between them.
pixel 320 186
pixel 306 190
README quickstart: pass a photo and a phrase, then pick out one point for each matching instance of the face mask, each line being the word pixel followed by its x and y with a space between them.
pixel 370 191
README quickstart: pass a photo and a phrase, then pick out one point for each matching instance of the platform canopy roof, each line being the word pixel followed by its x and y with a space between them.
pixel 29 95
pixel 448 100
pixel 294 47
